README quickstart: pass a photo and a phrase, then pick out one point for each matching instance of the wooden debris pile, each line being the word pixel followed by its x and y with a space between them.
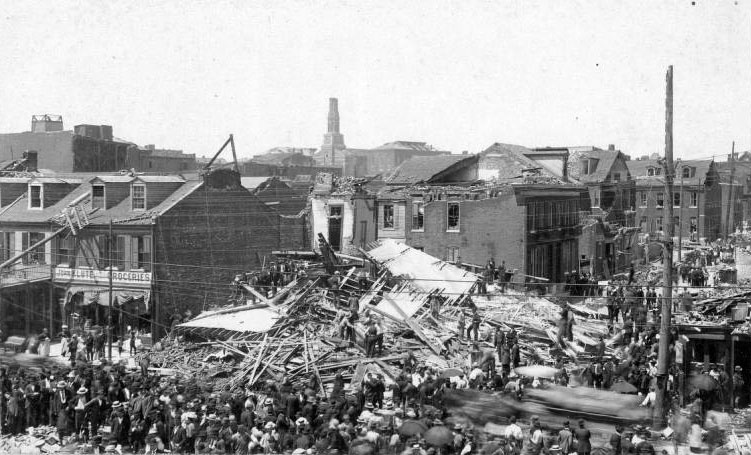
pixel 415 301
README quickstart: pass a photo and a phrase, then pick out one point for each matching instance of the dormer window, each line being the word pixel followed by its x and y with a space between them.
pixel 35 196
pixel 589 166
pixel 651 171
pixel 97 197
pixel 138 197
pixel 688 172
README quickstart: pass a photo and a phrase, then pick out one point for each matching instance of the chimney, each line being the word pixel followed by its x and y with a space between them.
pixel 611 147
pixel 465 152
pixel 333 115
pixel 46 123
pixel 31 160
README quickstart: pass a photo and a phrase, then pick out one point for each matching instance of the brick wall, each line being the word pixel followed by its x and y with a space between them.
pixel 201 244
pixel 488 228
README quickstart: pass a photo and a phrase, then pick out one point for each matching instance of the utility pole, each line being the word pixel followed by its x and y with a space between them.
pixel 680 218
pixel 109 312
pixel 663 357
pixel 731 205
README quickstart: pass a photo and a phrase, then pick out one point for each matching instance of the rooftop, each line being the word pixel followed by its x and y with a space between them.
pixel 421 169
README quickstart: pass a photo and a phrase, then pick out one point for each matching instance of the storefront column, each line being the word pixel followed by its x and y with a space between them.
pixel 51 326
pixel 27 311
pixel 731 371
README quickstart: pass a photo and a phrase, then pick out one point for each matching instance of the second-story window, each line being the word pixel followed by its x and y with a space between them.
pixel 660 199
pixel 97 196
pixel 388 216
pixel 143 252
pixel 676 199
pixel 35 196
pixel 452 222
pixel 139 197
pixel 65 249
pixel 418 215
pixel 642 198
pixel 616 177
pixel 694 199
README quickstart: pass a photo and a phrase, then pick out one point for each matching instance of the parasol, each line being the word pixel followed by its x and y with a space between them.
pixel 623 387
pixel 439 436
pixel 537 371
pixel 412 428
pixel 451 372
pixel 703 382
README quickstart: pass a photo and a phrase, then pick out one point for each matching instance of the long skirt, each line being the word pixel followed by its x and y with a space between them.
pixel 44 348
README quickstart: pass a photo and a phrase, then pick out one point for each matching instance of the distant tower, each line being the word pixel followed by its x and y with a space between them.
pixel 333 140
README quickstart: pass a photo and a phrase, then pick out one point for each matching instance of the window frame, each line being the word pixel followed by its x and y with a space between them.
pixel 31 196
pixel 694 199
pixel 659 224
pixel 391 223
pixel 660 200
pixel 643 198
pixel 677 194
pixel 418 214
pixel 616 177
pixel 133 196
pixel 102 198
pixel 457 226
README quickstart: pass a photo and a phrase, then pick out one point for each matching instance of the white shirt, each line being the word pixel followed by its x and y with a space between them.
pixel 514 431
pixel 651 396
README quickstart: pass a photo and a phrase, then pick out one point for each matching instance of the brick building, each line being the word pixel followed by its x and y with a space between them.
pixel 608 242
pixel 171 243
pixel 499 204
pixel 697 198
pixel 88 148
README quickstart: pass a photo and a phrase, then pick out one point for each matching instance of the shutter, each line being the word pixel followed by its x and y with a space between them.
pixel 133 244
pixel 399 216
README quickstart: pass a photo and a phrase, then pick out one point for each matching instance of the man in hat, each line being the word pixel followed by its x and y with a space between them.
pixel 565 438
pixel 119 423
pixel 583 444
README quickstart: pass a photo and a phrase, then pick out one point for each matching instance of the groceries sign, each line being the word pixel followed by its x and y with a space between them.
pixel 101 277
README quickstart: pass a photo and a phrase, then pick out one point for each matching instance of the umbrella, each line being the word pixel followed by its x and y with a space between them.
pixel 412 427
pixel 623 387
pixel 439 436
pixel 703 382
pixel 537 371
pixel 451 372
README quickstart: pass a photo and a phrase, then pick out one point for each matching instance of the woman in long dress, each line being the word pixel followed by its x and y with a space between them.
pixel 44 343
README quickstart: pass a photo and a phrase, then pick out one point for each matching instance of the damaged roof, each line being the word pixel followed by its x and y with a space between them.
pixel 605 160
pixel 421 169
pixel 702 172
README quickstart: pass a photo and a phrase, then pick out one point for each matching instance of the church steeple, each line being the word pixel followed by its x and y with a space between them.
pixel 333 140
pixel 333 115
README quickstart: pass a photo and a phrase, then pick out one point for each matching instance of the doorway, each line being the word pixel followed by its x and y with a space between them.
pixel 335 227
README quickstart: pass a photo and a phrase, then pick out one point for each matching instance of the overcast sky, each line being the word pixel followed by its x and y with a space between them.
pixel 457 74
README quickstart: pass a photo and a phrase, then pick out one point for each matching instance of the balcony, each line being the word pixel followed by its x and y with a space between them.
pixel 24 274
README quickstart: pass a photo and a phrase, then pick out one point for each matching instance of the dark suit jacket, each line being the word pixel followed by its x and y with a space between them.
pixel 582 437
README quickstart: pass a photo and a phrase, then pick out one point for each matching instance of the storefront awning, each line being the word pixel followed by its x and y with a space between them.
pixel 100 295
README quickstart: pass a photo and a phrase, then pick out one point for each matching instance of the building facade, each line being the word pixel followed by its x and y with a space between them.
pixel 697 199
pixel 169 245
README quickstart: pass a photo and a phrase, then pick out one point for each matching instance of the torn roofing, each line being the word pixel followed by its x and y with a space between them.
pixel 421 169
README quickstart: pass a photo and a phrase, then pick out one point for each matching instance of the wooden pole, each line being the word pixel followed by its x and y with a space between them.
pixel 109 312
pixel 663 358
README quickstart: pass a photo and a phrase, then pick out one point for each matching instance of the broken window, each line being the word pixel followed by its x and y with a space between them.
pixel 388 216
pixel 453 216
pixel 97 196
pixel 418 215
